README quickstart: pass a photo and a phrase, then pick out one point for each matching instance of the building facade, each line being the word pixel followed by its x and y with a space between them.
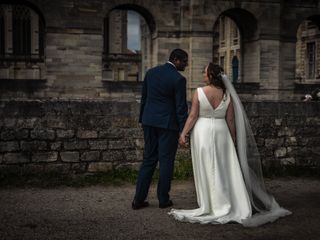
pixel 78 49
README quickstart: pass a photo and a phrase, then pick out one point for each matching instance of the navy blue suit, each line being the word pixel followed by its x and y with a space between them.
pixel 163 114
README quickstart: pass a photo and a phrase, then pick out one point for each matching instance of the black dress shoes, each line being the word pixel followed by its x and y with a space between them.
pixel 167 204
pixel 137 205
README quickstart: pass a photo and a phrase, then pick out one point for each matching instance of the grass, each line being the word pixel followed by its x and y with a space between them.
pixel 182 171
pixel 49 179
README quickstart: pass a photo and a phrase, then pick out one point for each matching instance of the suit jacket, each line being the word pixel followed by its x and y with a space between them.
pixel 163 100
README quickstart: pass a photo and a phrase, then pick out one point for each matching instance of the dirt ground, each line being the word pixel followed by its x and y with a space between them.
pixel 104 212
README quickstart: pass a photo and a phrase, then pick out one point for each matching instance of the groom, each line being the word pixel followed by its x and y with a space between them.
pixel 163 114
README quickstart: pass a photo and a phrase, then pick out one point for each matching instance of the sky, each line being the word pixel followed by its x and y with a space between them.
pixel 133 31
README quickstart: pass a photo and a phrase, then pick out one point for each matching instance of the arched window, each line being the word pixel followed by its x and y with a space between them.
pixel 307 52
pixel 127 43
pixel 22 32
pixel 21 26
pixel 227 46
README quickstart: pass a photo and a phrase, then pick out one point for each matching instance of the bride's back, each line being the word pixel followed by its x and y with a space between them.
pixel 214 95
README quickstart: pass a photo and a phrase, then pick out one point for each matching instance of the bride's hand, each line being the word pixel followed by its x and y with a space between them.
pixel 182 140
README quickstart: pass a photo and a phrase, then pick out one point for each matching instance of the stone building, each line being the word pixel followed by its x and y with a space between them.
pixel 61 49
pixel 68 84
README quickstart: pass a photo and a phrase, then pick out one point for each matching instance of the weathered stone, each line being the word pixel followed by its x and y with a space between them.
pixel 27 123
pixel 12 158
pixel 57 122
pixel 87 134
pixel 9 146
pixel 9 122
pixel 287 161
pixel 278 122
pixel 78 167
pixel 14 134
pixel 61 168
pixel 139 143
pixel 133 156
pixel 69 156
pixel 280 152
pixel 121 144
pixel 33 145
pixel 273 142
pixel 42 134
pixel 285 132
pixel 291 141
pixel 99 167
pixel 90 156
pixel 98 145
pixel 65 133
pixel 111 156
pixel 74 145
pixel 44 156
pixel 56 146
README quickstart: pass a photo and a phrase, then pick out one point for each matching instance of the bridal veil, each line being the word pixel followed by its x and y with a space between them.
pixel 263 203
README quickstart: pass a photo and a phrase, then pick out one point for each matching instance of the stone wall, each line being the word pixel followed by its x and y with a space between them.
pixel 94 136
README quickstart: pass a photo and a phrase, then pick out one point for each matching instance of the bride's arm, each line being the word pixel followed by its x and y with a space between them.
pixel 192 118
pixel 230 121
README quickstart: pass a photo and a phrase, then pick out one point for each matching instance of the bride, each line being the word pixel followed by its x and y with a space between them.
pixel 226 162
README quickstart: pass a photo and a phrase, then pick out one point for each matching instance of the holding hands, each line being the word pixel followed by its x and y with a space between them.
pixel 183 140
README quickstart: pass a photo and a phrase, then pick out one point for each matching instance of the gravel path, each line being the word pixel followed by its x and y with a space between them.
pixel 100 212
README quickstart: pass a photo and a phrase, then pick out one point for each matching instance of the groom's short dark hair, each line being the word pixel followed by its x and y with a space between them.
pixel 178 54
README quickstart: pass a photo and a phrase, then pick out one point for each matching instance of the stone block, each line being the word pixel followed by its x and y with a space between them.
pixel 11 134
pixel 33 145
pixel 75 145
pixel 291 141
pixel 9 146
pixel 133 156
pixel 280 152
pixel 121 144
pixel 139 143
pixel 27 122
pixel 112 156
pixel 65 133
pixel 44 157
pixel 90 156
pixel 9 122
pixel 87 134
pixel 42 134
pixel 78 167
pixel 69 156
pixel 98 145
pixel 57 122
pixel 12 158
pixel 63 168
pixel 99 167
pixel 274 142
pixel 56 146
pixel 287 161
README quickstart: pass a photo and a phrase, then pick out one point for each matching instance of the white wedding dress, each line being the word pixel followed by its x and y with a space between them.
pixel 221 192
pixel 229 183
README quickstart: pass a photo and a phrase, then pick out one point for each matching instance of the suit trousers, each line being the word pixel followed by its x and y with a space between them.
pixel 159 145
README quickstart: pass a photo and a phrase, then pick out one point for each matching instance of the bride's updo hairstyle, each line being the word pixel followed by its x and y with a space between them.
pixel 215 72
